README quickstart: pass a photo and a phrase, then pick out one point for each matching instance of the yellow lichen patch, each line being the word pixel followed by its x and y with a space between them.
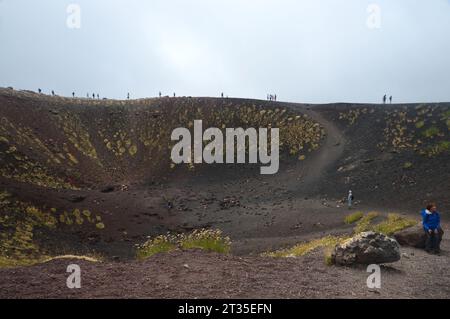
pixel 87 213
pixel 25 137
pixel 78 135
pixel 19 222
pixel 78 217
pixel 32 173
pixel 132 150
pixel 100 225
pixel 3 140
pixel 72 158
pixel 415 130
pixel 120 143
pixel 352 115
pixel 18 166
pixel 4 198
pixel 44 218
pixel 16 238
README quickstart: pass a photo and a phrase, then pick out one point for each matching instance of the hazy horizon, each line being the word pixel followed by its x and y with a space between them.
pixel 316 51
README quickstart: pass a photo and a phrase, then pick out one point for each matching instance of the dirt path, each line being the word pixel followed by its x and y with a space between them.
pixel 303 177
pixel 330 151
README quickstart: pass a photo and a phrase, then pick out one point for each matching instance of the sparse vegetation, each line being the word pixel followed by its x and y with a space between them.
pixel 100 225
pixel 431 132
pixel 364 223
pixel 7 262
pixel 78 135
pixel 420 124
pixel 437 149
pixel 353 218
pixel 407 165
pixel 160 244
pixel 307 247
pixel 352 115
pixel 20 221
pixel 394 223
pixel 209 240
pixel 328 251
pixel 420 130
pixel 205 239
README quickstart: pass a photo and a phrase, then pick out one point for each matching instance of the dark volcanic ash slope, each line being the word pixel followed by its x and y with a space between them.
pixel 78 175
pixel 97 173
pixel 395 156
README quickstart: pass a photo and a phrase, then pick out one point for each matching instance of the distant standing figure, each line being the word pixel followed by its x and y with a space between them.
pixel 53 93
pixel 384 99
pixel 222 95
pixel 390 99
pixel 275 97
pixel 128 96
pixel 431 221
pixel 98 96
pixel 40 91
pixel 174 95
pixel 160 94
pixel 73 94
pixel 350 199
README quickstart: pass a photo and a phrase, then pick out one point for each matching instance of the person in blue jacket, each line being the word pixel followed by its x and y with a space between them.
pixel 431 221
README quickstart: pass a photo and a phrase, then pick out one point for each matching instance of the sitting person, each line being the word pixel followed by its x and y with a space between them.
pixel 431 221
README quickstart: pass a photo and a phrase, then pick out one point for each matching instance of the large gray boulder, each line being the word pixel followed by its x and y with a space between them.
pixel 412 236
pixel 366 248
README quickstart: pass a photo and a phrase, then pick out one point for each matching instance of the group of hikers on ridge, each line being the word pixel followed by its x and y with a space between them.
pixel 94 96
pixel 88 96
pixel 431 223
pixel 385 99
pixel 270 97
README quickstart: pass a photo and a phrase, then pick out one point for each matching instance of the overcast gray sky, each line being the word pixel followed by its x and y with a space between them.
pixel 303 50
